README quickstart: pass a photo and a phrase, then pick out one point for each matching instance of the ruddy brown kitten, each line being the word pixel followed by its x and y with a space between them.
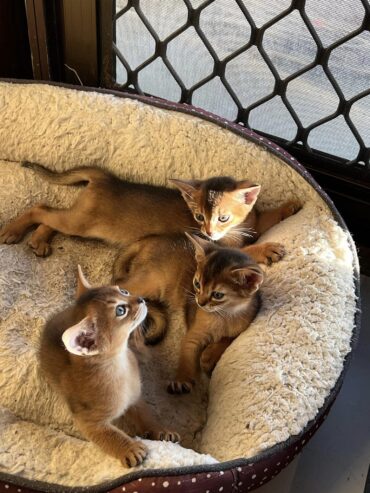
pixel 85 356
pixel 226 281
pixel 121 212
pixel 224 209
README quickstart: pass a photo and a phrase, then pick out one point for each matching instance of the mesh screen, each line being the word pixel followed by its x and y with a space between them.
pixel 295 70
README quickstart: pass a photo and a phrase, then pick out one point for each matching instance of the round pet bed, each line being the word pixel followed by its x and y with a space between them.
pixel 272 387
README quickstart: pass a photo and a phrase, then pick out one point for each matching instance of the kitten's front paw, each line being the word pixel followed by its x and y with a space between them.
pixel 163 435
pixel 273 252
pixel 177 387
pixel 10 234
pixel 135 454
pixel 39 248
pixel 290 208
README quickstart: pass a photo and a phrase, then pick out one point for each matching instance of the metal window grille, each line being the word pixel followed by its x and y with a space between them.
pixel 297 71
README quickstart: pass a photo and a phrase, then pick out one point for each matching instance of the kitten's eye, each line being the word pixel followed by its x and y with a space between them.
pixel 199 217
pixel 223 219
pixel 217 295
pixel 124 291
pixel 196 284
pixel 121 310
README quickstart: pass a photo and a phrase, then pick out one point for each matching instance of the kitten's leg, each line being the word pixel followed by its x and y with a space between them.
pixel 147 425
pixel 267 219
pixel 40 240
pixel 113 441
pixel 191 347
pixel 212 353
pixel 265 253
pixel 63 220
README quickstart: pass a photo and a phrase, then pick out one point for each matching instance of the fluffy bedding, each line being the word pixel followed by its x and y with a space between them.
pixel 268 384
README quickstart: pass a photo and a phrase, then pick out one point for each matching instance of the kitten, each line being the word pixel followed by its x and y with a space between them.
pixel 224 209
pixel 121 212
pixel 226 281
pixel 85 356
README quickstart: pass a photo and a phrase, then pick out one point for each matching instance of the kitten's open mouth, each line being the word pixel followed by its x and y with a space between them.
pixel 140 314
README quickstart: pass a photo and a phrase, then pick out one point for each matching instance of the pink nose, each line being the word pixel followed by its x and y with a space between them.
pixel 208 231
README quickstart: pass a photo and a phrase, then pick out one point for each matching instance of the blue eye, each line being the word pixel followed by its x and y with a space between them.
pixel 124 291
pixel 196 284
pixel 217 295
pixel 121 310
pixel 223 219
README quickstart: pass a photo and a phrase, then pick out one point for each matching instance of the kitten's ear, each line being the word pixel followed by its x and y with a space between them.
pixel 188 188
pixel 249 278
pixel 247 193
pixel 80 339
pixel 82 283
pixel 200 246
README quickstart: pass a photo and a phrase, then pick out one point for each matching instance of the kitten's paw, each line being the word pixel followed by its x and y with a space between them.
pixel 10 234
pixel 177 387
pixel 290 208
pixel 273 252
pixel 135 454
pixel 39 248
pixel 163 435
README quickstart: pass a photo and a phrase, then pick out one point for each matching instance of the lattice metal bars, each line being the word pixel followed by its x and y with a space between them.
pixel 359 164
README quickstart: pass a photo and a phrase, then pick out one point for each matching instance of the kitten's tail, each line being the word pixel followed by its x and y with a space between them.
pixel 71 177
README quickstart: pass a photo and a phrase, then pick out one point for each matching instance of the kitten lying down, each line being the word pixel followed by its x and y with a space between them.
pixel 84 354
pixel 223 282
pixel 121 212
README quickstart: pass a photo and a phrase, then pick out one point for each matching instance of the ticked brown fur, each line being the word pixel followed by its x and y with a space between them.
pixel 85 356
pixel 122 212
pixel 163 267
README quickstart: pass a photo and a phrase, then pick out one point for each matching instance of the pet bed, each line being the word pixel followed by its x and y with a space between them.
pixel 272 387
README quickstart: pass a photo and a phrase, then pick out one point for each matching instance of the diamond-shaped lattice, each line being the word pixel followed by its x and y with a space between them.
pixel 289 44
pixel 185 68
pixel 350 65
pixel 249 76
pixel 214 97
pixel 225 27
pixel 334 137
pixel 312 96
pixel 334 20
pixel 273 118
pixel 264 11
pixel 155 79
pixel 189 57
pixel 133 39
pixel 360 116
pixel 163 17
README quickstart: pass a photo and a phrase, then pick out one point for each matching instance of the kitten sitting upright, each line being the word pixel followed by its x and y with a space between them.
pixel 225 281
pixel 85 356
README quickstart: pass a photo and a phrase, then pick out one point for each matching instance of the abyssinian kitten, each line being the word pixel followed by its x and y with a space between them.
pixel 84 354
pixel 121 212
pixel 223 281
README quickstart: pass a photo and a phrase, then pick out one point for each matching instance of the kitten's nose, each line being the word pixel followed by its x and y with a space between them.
pixel 201 302
pixel 209 232
pixel 140 300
